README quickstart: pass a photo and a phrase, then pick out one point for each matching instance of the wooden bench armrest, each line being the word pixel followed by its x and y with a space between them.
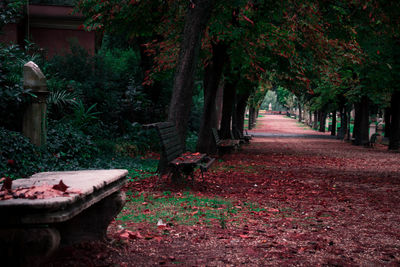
pixel 206 165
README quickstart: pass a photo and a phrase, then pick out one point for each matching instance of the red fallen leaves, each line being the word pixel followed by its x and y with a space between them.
pixel 34 192
pixel 7 183
pixel 60 186
pixel 127 234
pixel 188 157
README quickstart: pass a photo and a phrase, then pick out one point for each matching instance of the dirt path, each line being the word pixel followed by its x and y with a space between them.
pixel 297 201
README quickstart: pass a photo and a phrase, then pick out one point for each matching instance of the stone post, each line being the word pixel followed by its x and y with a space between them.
pixel 372 129
pixel 34 121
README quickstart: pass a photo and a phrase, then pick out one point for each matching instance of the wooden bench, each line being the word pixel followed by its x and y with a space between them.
pixel 33 227
pixel 247 137
pixel 374 139
pixel 177 164
pixel 225 145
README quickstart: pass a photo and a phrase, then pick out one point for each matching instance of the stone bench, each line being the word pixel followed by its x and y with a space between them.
pixel 31 229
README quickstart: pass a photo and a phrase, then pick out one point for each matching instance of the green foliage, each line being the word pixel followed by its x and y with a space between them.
pixel 197 108
pixel 18 157
pixel 271 98
pixel 70 147
pixel 106 82
pixel 67 149
pixel 143 139
pixel 83 117
pixel 191 141
pixel 10 11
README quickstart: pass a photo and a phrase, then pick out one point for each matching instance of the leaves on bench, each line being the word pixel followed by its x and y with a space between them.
pixel 188 158
pixel 6 184
pixel 60 186
pixel 35 192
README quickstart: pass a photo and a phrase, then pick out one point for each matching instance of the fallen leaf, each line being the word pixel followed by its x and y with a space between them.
pixel 7 184
pixel 60 186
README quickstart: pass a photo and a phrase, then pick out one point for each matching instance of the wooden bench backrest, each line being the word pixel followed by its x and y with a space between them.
pixel 216 136
pixel 171 145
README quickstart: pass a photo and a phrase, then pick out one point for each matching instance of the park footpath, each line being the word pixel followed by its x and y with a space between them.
pixel 292 197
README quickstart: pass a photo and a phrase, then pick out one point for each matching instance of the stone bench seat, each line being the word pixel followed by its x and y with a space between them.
pixel 31 229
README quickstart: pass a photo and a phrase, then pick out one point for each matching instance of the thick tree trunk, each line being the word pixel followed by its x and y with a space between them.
pixel 315 120
pixel 195 22
pixel 394 139
pixel 322 121
pixel 238 123
pixel 333 129
pixel 387 122
pixel 300 110
pixel 252 111
pixel 212 77
pixel 343 124
pixel 361 122
pixel 227 108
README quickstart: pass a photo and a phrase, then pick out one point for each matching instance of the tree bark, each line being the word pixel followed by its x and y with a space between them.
pixel 387 122
pixel 394 138
pixel 212 77
pixel 252 110
pixel 238 123
pixel 227 108
pixel 333 129
pixel 196 19
pixel 315 120
pixel 322 121
pixel 343 123
pixel 300 115
pixel 361 122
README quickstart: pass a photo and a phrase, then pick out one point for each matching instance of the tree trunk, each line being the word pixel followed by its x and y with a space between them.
pixel 322 121
pixel 361 122
pixel 394 139
pixel 227 108
pixel 315 120
pixel 343 123
pixel 196 19
pixel 387 122
pixel 300 115
pixel 238 123
pixel 251 117
pixel 333 129
pixel 212 77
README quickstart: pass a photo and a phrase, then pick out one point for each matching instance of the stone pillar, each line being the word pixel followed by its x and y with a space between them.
pixel 372 129
pixel 34 121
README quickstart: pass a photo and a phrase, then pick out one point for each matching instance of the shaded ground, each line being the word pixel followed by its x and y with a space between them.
pixel 297 201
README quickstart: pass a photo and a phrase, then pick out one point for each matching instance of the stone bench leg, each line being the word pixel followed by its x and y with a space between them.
pixel 28 246
pixel 92 223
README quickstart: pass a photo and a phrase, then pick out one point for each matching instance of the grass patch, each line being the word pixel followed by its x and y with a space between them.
pixel 176 208
pixel 138 168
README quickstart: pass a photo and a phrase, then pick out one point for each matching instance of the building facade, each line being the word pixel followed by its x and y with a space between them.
pixel 51 25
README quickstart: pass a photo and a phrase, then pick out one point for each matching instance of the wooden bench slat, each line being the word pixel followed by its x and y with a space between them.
pixel 172 149
pixel 224 143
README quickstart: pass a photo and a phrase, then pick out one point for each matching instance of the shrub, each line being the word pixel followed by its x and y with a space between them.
pixel 143 139
pixel 70 147
pixel 18 157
